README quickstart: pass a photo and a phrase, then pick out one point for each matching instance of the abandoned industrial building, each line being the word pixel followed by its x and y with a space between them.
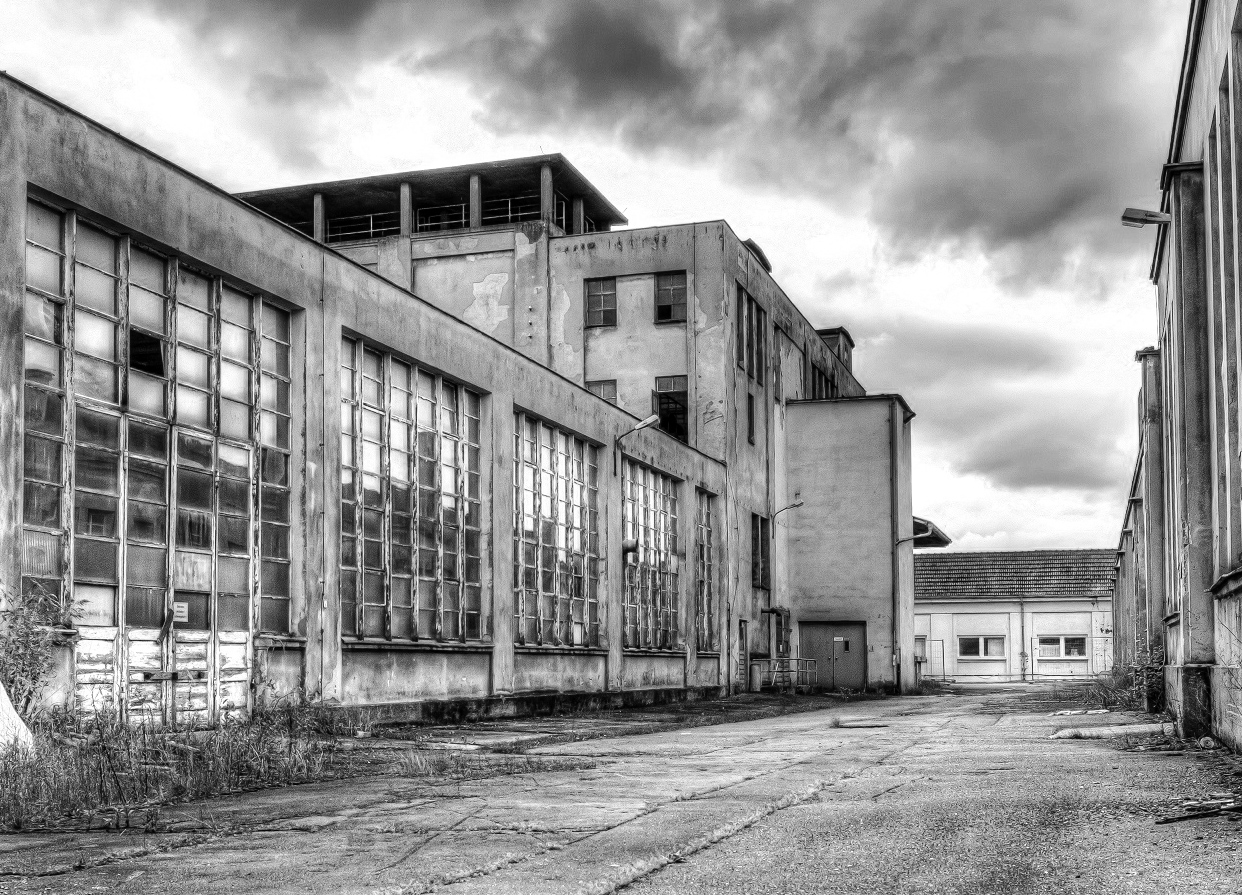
pixel 1178 602
pixel 439 438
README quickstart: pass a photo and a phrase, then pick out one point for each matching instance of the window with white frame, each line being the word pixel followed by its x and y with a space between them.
pixel 555 536
pixel 649 518
pixel 981 647
pixel 604 388
pixel 410 501
pixel 1062 647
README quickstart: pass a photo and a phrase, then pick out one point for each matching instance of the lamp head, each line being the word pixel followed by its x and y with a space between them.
pixel 1139 217
pixel 649 421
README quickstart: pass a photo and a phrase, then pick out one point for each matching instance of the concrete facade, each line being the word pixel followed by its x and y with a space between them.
pixel 1179 550
pixel 528 286
pixel 350 457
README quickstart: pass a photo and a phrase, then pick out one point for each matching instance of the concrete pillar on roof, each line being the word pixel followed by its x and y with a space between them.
pixel 579 220
pixel 476 201
pixel 547 199
pixel 321 221
pixel 407 210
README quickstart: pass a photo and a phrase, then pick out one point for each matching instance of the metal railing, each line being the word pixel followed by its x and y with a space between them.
pixel 364 226
pixel 785 674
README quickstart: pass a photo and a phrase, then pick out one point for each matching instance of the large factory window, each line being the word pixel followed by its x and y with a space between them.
pixel 649 519
pixel 139 439
pixel 410 502
pixel 555 536
pixel 707 636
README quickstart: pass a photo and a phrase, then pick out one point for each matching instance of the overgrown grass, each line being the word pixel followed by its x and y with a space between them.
pixel 82 766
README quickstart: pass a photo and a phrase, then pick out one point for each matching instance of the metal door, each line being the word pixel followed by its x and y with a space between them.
pixel 840 653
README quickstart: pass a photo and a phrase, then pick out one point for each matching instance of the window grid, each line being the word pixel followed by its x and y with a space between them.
pixel 274 496
pixel 981 647
pixel 44 458
pixel 555 536
pixel 99 361
pixel 649 518
pixel 411 506
pixel 670 304
pixel 604 388
pixel 1062 647
pixel 601 302
pixel 707 635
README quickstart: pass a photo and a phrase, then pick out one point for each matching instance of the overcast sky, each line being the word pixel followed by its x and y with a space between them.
pixel 942 177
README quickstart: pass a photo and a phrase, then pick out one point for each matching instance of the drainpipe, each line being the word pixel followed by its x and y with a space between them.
pixel 1022 633
pixel 894 509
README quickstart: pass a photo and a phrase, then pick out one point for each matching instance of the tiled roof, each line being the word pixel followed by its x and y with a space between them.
pixel 1009 574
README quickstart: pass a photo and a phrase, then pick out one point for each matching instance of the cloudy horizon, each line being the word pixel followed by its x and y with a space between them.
pixel 943 179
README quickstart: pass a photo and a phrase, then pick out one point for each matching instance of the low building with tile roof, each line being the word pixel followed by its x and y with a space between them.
pixel 1014 615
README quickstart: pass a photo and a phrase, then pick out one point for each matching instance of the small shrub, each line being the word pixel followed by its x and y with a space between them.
pixel 29 632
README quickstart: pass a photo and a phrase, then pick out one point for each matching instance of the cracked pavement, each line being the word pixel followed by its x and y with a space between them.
pixel 953 794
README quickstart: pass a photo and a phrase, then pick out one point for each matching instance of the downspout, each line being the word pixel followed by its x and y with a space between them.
pixel 323 440
pixel 894 509
pixel 1022 657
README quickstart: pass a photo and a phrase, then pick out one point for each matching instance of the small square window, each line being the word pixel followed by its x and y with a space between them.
pixel 604 388
pixel 601 302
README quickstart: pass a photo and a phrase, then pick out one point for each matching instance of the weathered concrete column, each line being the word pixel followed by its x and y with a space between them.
pixel 547 198
pixel 579 218
pixel 407 210
pixel 320 230
pixel 476 202
pixel 1193 394
pixel 1152 495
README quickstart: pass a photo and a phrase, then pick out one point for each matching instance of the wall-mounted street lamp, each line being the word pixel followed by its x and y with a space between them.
pixel 1139 217
pixel 793 506
pixel 616 444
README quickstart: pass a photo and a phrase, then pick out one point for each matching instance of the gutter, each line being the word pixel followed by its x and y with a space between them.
pixel 894 516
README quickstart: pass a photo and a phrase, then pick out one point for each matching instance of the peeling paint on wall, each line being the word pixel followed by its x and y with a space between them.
pixel 488 311
pixel 566 360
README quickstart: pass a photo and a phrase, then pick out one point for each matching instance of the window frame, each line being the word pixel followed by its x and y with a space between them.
pixel 600 387
pixel 370 521
pixel 651 599
pixel 600 298
pixel 1062 654
pixel 981 641
pixel 666 286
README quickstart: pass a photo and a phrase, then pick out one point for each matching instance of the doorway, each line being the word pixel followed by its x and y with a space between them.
pixel 840 653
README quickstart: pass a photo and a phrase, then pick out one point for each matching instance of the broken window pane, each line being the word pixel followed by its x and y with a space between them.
pixel 146 353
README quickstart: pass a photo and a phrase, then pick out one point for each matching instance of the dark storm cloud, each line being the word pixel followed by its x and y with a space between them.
pixel 1011 126
pixel 1007 403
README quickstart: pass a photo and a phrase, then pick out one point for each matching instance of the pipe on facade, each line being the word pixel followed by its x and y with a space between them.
pixel 894 511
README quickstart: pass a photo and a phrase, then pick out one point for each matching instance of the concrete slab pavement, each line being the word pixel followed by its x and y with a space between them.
pixel 730 808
